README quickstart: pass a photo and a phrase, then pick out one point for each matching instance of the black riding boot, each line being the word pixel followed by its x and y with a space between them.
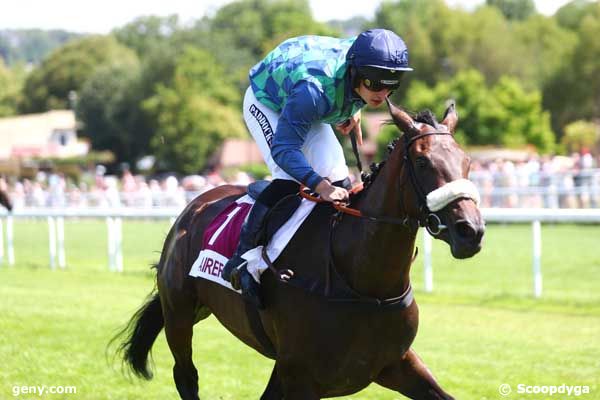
pixel 235 270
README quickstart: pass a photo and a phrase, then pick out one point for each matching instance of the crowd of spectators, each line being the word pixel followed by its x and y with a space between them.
pixel 54 190
pixel 539 181
pixel 549 182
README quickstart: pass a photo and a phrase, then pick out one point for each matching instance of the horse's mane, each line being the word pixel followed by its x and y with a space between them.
pixel 425 116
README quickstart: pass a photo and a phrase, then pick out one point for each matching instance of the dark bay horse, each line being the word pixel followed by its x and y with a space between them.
pixel 323 347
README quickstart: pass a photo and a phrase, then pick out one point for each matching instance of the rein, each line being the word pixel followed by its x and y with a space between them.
pixel 426 219
pixel 355 151
pixel 344 209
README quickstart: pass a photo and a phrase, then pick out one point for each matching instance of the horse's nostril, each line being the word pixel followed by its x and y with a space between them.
pixel 465 229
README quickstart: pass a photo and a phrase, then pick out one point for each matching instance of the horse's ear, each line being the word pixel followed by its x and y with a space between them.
pixel 401 118
pixel 451 117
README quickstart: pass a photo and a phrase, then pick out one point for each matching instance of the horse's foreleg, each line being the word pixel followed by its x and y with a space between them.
pixel 273 390
pixel 179 329
pixel 412 378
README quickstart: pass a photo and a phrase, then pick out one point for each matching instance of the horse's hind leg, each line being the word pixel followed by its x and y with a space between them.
pixel 179 330
pixel 412 378
pixel 273 390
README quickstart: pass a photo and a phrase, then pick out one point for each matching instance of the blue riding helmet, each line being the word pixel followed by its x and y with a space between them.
pixel 379 57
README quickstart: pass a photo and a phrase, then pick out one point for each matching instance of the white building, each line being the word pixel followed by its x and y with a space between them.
pixel 50 134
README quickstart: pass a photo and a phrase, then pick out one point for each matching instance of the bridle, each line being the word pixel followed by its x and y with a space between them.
pixel 425 218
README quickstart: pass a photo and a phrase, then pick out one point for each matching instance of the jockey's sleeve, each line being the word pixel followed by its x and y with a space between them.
pixel 305 105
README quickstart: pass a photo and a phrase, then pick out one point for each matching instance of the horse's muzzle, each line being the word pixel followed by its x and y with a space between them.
pixel 466 237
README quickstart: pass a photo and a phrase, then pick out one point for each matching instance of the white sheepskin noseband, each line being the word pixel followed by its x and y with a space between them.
pixel 460 188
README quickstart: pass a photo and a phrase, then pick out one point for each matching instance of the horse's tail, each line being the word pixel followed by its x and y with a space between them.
pixel 139 336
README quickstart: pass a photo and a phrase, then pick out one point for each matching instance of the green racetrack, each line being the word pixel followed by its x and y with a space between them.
pixel 479 329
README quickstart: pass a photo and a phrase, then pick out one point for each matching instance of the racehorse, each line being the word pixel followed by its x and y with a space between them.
pixel 360 328
pixel 5 201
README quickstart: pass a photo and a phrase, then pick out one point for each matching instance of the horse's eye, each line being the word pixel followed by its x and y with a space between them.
pixel 422 162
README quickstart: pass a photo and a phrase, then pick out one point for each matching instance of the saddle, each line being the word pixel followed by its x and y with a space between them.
pixel 220 238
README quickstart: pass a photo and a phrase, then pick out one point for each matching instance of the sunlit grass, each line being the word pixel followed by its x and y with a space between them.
pixel 481 326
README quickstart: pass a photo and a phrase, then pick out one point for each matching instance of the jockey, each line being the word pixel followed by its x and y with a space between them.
pixel 302 87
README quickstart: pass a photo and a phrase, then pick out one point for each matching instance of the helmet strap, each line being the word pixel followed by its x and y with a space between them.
pixel 354 77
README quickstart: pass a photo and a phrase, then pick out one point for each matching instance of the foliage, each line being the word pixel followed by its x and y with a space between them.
pixel 516 117
pixel 574 91
pixel 73 167
pixel 93 157
pixel 443 41
pixel 66 70
pixel 483 41
pixel 558 56
pixel 427 42
pixel 571 14
pixel 110 104
pixel 541 38
pixel 259 25
pixel 243 31
pixel 193 115
pixel 514 9
pixel 257 171
pixel 580 135
pixel 349 27
pixel 145 34
pixel 108 116
pixel 503 114
pixel 31 45
pixel 11 82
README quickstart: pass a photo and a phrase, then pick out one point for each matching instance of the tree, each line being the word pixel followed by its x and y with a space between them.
pixel 31 45
pixel 587 65
pixel 514 9
pixel 243 31
pixel 145 34
pixel 573 92
pixel 483 40
pixel 580 135
pixel 571 14
pixel 11 81
pixel 194 114
pixel 544 46
pixel 109 115
pixel 428 42
pixel 469 90
pixel 259 25
pixel 349 27
pixel 516 117
pixel 66 70
pixel 504 114
pixel 444 41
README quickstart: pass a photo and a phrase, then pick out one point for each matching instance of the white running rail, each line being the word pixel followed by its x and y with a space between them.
pixel 114 218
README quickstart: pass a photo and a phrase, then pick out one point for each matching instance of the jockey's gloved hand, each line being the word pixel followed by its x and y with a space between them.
pixel 331 193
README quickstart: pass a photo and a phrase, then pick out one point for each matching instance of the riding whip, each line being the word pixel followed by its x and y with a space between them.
pixel 355 150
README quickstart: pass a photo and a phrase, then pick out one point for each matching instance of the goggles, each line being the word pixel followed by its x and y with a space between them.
pixel 377 86
pixel 377 79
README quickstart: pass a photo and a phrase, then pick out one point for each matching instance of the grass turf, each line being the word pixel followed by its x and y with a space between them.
pixel 481 326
